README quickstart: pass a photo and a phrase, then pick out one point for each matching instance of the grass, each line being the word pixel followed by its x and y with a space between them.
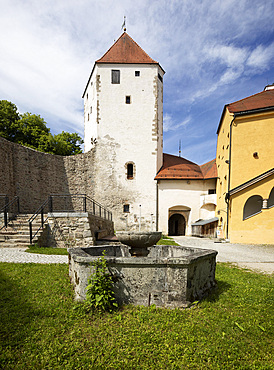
pixel 166 240
pixel 41 327
pixel 46 250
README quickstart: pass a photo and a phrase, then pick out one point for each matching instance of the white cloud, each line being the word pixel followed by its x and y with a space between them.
pixel 171 125
pixel 262 57
pixel 48 48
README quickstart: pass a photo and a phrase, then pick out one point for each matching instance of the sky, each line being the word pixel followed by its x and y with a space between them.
pixel 214 52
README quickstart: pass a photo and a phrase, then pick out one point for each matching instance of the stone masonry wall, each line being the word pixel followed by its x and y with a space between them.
pixel 30 174
pixel 75 230
pixel 33 175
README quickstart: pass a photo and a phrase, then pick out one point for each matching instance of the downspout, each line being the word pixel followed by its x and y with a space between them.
pixel 157 206
pixel 227 197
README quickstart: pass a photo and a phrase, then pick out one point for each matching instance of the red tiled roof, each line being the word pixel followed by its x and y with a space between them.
pixel 209 169
pixel 126 50
pixel 177 168
pixel 264 99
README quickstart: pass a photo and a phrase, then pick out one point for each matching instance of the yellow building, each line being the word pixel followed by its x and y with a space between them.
pixel 245 165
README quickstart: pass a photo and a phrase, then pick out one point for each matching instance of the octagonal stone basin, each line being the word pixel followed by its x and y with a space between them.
pixel 139 241
pixel 169 276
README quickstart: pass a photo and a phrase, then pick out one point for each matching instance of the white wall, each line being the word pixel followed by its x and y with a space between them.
pixel 126 133
pixel 184 194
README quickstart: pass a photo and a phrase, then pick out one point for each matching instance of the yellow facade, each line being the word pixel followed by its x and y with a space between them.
pixel 251 137
pixel 257 229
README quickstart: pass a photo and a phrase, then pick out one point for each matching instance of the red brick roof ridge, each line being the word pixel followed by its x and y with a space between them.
pixel 125 34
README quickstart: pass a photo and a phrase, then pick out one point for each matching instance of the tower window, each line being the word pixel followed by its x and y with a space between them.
pixel 88 116
pixel 137 73
pixel 115 76
pixel 126 208
pixel 128 100
pixel 90 109
pixel 160 77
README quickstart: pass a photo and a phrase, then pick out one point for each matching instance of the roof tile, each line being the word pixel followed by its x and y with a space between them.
pixel 180 168
pixel 126 50
pixel 264 99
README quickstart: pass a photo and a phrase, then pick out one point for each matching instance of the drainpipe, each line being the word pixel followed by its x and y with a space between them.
pixel 157 206
pixel 227 197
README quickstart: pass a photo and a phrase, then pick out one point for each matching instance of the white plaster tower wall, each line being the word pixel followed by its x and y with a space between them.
pixel 124 125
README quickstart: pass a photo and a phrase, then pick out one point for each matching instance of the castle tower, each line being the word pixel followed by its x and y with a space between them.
pixel 123 109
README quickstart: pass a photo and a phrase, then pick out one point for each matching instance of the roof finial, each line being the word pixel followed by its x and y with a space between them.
pixel 124 24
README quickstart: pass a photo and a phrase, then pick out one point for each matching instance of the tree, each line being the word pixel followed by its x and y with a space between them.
pixel 31 130
pixel 9 118
pixel 67 144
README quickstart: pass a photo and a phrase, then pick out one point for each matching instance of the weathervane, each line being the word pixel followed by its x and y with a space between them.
pixel 124 24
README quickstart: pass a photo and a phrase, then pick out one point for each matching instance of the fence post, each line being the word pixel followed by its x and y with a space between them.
pixel 30 232
pixel 85 203
pixel 50 204
pixel 42 217
pixel 6 216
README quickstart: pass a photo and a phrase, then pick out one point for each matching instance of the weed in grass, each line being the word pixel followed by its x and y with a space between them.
pixel 100 295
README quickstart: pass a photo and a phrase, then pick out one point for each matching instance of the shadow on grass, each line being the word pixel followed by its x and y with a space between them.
pixel 220 288
pixel 16 315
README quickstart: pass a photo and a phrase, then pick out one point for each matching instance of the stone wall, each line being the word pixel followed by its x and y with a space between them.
pixel 74 230
pixel 33 175
pixel 30 174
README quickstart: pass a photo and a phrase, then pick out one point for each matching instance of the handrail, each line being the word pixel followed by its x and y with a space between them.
pixel 96 209
pixel 6 207
pixel 33 217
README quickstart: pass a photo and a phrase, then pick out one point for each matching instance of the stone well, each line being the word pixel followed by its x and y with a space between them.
pixel 168 277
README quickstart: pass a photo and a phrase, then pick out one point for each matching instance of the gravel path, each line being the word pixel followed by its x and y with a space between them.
pixel 254 257
pixel 18 255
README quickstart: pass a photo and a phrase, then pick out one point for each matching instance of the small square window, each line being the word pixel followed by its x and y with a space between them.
pixel 126 208
pixel 128 100
pixel 115 76
pixel 137 73
pixel 211 191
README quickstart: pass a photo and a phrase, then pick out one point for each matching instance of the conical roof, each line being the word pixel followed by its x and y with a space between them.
pixel 126 50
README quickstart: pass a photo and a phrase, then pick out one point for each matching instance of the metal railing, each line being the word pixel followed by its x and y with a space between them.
pixel 7 207
pixel 67 203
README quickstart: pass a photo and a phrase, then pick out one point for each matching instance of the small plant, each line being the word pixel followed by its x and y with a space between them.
pixel 100 295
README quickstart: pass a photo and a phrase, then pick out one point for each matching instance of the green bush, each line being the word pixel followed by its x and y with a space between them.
pixel 100 295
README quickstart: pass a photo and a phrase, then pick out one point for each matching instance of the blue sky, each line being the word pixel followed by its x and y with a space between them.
pixel 214 52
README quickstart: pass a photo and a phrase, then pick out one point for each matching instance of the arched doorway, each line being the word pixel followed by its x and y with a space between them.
pixel 176 225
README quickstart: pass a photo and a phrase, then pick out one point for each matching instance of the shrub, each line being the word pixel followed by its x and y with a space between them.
pixel 100 295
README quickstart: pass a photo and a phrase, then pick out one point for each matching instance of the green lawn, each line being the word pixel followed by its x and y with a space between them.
pixel 46 250
pixel 41 329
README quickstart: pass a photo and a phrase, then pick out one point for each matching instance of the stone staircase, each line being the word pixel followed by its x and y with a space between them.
pixel 16 234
